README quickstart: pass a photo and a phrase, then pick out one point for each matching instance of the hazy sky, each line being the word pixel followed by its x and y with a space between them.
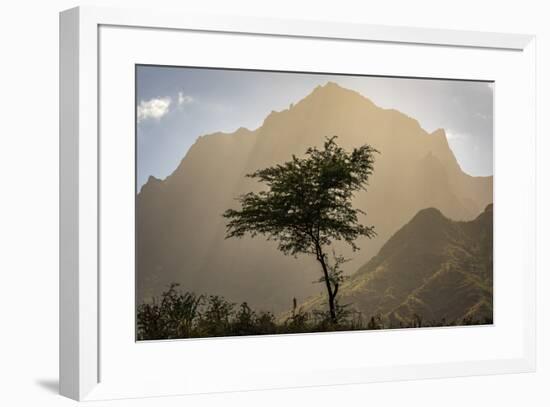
pixel 177 105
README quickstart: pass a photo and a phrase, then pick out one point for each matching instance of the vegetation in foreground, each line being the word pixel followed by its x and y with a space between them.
pixel 178 314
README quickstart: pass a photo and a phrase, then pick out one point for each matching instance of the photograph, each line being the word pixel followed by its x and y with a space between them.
pixel 274 202
pixel 247 203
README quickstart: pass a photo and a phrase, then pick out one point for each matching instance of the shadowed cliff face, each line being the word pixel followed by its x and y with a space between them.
pixel 180 230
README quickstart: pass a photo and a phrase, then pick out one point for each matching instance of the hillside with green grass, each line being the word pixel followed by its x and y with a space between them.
pixel 434 271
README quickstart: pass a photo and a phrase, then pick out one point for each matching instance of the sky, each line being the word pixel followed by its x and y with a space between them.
pixel 176 105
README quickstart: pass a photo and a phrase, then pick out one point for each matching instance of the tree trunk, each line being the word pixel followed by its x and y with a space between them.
pixel 331 293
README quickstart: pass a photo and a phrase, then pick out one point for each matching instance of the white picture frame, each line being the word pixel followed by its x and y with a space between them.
pixel 88 40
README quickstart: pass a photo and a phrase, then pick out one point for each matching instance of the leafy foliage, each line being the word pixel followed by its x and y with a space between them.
pixel 307 205
pixel 171 317
pixel 308 200
pixel 178 315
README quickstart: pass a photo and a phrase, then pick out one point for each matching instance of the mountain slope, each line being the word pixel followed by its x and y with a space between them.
pixel 180 230
pixel 433 268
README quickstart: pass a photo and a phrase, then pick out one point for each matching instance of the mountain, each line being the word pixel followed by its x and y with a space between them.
pixel 433 267
pixel 180 230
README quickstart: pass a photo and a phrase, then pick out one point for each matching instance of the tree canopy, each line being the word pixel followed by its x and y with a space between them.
pixel 307 205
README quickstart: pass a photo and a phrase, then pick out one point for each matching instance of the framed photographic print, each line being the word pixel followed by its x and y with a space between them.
pixel 242 196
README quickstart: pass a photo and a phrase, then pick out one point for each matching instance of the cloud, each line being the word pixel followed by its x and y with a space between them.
pixel 153 108
pixel 184 99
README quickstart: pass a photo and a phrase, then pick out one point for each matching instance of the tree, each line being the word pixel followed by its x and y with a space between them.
pixel 307 206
